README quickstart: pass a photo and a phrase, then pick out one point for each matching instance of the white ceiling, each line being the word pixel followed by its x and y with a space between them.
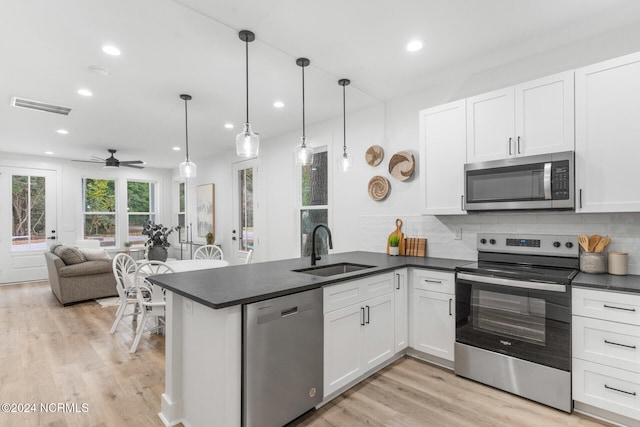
pixel 191 46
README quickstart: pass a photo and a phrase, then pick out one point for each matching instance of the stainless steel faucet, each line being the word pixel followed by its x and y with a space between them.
pixel 315 257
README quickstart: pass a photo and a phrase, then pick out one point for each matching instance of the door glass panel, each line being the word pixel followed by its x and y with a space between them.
pixel 505 184
pixel 245 190
pixel 28 213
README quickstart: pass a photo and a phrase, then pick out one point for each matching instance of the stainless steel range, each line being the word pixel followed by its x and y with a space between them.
pixel 513 315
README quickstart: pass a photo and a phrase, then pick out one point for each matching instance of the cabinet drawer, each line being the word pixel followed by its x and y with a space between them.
pixel 435 281
pixel 608 343
pixel 355 291
pixel 612 389
pixel 613 306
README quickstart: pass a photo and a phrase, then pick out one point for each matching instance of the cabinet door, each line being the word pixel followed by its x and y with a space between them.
pixel 490 126
pixel 342 347
pixel 544 115
pixel 378 343
pixel 444 152
pixel 401 335
pixel 433 323
pixel 607 135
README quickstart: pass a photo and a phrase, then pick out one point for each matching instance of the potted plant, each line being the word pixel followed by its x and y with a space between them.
pixel 157 240
pixel 209 238
pixel 127 244
pixel 394 242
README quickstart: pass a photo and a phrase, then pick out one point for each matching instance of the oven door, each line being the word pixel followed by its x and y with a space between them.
pixel 522 319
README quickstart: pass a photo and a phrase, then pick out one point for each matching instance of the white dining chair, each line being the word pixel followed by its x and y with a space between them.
pixel 124 268
pixel 248 256
pixel 208 252
pixel 151 299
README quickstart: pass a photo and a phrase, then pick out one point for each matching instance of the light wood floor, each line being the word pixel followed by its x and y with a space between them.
pixel 55 354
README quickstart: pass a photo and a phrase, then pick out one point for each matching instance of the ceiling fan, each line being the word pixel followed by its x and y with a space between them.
pixel 112 162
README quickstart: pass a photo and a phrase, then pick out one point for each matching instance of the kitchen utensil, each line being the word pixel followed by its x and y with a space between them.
pixel 593 241
pixel 400 234
pixel 584 241
pixel 602 244
pixel 378 187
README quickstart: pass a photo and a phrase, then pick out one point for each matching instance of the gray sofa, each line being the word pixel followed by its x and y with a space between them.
pixel 81 281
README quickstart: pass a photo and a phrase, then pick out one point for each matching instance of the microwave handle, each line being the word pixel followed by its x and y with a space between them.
pixel 547 181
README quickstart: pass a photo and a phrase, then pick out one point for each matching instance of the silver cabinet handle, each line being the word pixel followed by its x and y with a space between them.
pixel 518 145
pixel 432 281
pixel 619 308
pixel 580 198
pixel 632 393
pixel 450 300
pixel 361 316
pixel 462 202
pixel 368 314
pixel 510 145
pixel 620 345
pixel 397 281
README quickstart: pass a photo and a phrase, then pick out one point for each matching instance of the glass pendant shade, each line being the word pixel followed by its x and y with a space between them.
pixel 304 153
pixel 344 162
pixel 187 169
pixel 247 142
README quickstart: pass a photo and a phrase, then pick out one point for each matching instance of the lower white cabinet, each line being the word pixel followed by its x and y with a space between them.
pixel 401 301
pixel 433 313
pixel 357 337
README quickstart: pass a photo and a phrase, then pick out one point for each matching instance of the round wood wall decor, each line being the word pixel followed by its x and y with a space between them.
pixel 402 165
pixel 374 155
pixel 378 188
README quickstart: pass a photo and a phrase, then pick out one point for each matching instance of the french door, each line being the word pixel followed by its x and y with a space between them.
pixel 27 222
pixel 244 235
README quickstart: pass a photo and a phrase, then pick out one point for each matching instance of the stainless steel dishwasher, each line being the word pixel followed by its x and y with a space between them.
pixel 282 366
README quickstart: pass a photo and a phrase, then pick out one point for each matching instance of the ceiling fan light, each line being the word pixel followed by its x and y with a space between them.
pixel 304 153
pixel 247 142
pixel 187 169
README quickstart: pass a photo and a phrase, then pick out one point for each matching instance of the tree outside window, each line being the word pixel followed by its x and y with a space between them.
pixel 314 201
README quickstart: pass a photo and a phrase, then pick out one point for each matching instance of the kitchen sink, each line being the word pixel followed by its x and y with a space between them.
pixel 333 269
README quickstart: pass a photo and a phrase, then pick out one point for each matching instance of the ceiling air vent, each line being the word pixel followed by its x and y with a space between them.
pixel 40 106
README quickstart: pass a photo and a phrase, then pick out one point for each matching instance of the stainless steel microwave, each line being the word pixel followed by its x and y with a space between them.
pixel 521 183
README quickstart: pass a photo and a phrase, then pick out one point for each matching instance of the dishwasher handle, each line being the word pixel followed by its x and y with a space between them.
pixel 289 311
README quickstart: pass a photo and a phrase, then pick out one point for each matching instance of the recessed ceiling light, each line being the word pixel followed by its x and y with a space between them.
pixel 278 104
pixel 111 50
pixel 228 125
pixel 62 131
pixel 414 45
pixel 176 148
pixel 49 153
pixel 85 92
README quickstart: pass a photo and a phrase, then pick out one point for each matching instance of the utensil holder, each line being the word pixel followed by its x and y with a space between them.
pixel 593 262
pixel 618 263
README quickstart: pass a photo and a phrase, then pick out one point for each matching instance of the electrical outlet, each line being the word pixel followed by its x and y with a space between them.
pixel 458 234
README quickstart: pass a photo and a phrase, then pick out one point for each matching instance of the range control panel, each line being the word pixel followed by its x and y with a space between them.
pixel 534 244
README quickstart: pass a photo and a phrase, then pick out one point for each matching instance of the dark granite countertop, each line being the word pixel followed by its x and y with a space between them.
pixel 608 282
pixel 242 284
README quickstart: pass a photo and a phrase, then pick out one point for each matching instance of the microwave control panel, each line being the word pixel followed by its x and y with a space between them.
pixel 560 180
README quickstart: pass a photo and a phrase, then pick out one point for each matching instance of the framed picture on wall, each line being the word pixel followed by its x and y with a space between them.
pixel 206 213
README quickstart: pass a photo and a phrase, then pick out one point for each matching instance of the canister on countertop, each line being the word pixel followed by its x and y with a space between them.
pixel 593 262
pixel 618 263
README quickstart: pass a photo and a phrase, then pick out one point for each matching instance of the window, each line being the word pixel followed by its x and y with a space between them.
pixel 141 207
pixel 182 231
pixel 314 203
pixel 28 208
pixel 245 184
pixel 99 210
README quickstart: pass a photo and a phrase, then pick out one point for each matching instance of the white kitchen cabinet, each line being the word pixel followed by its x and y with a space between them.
pixel 606 351
pixel 443 146
pixel 607 135
pixel 401 297
pixel 531 118
pixel 433 313
pixel 359 336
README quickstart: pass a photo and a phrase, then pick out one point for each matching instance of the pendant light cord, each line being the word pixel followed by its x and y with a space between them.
pixel 303 129
pixel 246 43
pixel 344 120
pixel 186 128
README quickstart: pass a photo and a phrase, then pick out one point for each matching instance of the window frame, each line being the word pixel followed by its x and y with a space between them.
pixel 300 207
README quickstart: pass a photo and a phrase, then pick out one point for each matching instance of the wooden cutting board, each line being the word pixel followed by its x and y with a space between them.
pixel 400 234
pixel 415 246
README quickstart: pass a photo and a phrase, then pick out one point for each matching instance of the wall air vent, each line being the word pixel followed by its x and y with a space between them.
pixel 40 106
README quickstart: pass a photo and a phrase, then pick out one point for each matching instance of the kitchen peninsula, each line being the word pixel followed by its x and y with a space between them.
pixel 204 326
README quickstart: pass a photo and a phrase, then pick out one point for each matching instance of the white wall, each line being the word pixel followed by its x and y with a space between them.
pixel 357 222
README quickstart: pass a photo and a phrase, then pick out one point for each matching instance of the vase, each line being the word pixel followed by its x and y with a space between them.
pixel 394 250
pixel 158 253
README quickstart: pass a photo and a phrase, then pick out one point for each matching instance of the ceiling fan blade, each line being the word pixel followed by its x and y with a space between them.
pixel 97 158
pixel 88 161
pixel 131 166
pixel 131 162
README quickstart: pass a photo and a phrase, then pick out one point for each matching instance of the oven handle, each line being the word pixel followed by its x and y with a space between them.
pixel 554 287
pixel 547 181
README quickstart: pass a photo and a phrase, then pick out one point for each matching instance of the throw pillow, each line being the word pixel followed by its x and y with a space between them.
pixel 54 246
pixel 69 255
pixel 91 254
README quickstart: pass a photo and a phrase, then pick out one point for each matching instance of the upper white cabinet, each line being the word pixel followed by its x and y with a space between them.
pixel 443 143
pixel 608 135
pixel 532 118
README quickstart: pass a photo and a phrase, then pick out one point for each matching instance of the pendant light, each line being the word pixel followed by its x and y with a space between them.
pixel 247 142
pixel 304 153
pixel 187 168
pixel 344 162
